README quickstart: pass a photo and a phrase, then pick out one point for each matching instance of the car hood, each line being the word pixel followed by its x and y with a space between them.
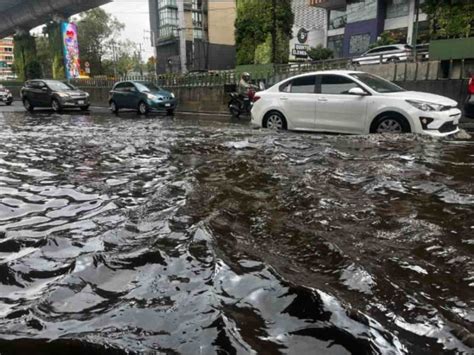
pixel 423 96
pixel 161 93
pixel 72 92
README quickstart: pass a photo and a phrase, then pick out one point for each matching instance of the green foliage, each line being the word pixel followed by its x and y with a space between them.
pixel 320 53
pixel 33 70
pixel 96 32
pixel 25 53
pixel 450 19
pixel 151 65
pixel 44 56
pixel 56 54
pixel 386 38
pixel 254 26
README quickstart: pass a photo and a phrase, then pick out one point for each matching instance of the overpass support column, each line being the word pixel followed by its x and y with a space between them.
pixel 26 65
pixel 53 30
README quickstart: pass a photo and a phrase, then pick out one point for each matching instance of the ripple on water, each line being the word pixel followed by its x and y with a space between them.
pixel 157 235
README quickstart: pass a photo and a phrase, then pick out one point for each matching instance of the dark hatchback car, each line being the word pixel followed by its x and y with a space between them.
pixel 5 95
pixel 54 94
pixel 141 96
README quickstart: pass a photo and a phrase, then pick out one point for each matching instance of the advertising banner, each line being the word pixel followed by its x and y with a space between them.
pixel 71 50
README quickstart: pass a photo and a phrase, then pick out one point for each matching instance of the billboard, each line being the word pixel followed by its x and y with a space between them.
pixel 71 50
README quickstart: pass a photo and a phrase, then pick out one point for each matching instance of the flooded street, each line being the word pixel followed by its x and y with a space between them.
pixel 199 236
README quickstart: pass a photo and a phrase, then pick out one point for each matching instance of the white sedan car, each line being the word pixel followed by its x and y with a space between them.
pixel 352 102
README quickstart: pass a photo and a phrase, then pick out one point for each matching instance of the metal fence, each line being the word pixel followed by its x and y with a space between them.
pixel 402 71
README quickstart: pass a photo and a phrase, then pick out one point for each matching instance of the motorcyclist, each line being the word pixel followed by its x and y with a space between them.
pixel 246 88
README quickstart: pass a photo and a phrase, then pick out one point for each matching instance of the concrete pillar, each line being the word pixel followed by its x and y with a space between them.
pixel 411 21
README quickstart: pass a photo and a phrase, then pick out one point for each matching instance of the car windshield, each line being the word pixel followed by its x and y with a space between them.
pixel 376 83
pixel 144 87
pixel 59 86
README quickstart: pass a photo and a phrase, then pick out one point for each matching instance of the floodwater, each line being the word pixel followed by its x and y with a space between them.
pixel 187 236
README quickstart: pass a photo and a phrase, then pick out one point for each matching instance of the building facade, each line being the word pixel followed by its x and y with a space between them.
pixel 209 34
pixel 6 57
pixel 352 25
pixel 309 29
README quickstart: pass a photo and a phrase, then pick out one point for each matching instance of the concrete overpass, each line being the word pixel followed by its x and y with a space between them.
pixel 27 14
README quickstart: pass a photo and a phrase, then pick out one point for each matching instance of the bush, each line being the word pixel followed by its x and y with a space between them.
pixel 33 70
pixel 320 53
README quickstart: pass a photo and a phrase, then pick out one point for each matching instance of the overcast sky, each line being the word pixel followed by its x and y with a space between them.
pixel 134 14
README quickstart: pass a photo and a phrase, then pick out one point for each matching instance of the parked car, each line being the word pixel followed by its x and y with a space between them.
pixel 5 95
pixel 142 96
pixel 423 52
pixel 385 54
pixel 54 94
pixel 345 101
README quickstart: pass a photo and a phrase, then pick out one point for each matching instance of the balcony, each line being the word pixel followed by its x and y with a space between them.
pixel 328 4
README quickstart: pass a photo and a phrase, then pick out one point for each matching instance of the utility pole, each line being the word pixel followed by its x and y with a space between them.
pixel 274 31
pixel 415 28
pixel 182 35
pixel 114 57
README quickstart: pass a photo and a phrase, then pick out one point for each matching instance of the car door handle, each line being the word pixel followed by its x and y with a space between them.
pixel 322 100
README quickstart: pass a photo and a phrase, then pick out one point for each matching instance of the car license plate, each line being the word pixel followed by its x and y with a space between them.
pixel 167 105
pixel 81 102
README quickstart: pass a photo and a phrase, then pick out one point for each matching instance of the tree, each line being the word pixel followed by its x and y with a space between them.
pixel 320 53
pixel 386 38
pixel 25 55
pixel 263 31
pixel 450 18
pixel 96 30
pixel 151 65
pixel 43 55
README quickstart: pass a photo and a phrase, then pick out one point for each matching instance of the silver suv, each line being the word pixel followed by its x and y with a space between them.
pixel 385 54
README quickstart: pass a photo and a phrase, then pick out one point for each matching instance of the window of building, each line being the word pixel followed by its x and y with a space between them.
pixel 360 10
pixel 337 18
pixel 336 44
pixel 166 3
pixel 336 85
pixel 359 43
pixel 397 8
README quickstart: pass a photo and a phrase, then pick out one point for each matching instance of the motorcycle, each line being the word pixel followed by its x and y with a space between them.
pixel 240 104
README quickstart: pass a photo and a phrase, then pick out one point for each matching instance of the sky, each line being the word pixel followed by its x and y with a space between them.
pixel 134 14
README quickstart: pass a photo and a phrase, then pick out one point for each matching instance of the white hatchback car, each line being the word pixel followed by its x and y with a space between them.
pixel 353 102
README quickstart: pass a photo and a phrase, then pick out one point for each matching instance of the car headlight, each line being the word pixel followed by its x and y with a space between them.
pixel 152 97
pixel 63 94
pixel 87 94
pixel 425 106
pixel 172 95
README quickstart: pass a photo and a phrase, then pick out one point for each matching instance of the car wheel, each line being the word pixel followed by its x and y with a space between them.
pixel 9 103
pixel 170 112
pixel 56 106
pixel 28 106
pixel 390 124
pixel 84 108
pixel 275 120
pixel 113 107
pixel 143 108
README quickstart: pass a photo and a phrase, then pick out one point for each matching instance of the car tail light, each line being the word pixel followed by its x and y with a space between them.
pixel 256 98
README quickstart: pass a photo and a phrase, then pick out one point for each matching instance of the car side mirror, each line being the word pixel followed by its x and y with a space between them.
pixel 357 91
pixel 44 88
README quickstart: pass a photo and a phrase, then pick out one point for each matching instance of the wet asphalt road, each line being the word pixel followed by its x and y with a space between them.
pixel 198 235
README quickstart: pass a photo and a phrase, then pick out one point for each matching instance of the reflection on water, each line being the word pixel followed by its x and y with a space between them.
pixel 203 237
